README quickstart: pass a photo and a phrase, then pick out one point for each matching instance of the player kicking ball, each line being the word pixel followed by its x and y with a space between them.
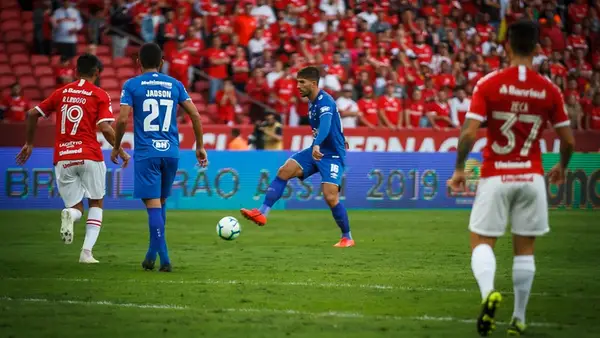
pixel 517 103
pixel 325 157
pixel 82 108
pixel 153 97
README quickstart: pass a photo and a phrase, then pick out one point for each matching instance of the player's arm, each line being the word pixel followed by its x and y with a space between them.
pixel 190 109
pixel 431 116
pixel 466 140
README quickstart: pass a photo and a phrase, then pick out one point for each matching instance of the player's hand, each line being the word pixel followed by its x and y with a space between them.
pixel 557 174
pixel 346 145
pixel 316 153
pixel 202 157
pixel 125 157
pixel 24 154
pixel 457 181
pixel 114 155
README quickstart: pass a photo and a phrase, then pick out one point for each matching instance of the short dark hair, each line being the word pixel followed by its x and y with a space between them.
pixel 523 37
pixel 235 132
pixel 310 74
pixel 150 55
pixel 88 64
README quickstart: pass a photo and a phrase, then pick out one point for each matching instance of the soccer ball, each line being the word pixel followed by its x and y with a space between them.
pixel 228 228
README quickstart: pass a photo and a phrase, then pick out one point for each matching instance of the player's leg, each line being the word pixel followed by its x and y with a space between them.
pixel 147 187
pixel 331 171
pixel 94 182
pixel 488 222
pixel 72 192
pixel 168 172
pixel 299 165
pixel 529 219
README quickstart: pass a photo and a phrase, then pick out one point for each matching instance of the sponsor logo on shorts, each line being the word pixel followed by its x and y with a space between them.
pixel 334 171
pixel 512 165
pixel 70 152
pixel 517 178
pixel 70 144
pixel 161 145
pixel 72 164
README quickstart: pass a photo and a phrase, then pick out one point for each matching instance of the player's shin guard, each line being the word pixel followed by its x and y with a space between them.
pixel 483 264
pixel 523 274
pixel 274 193
pixel 92 228
pixel 158 241
pixel 340 215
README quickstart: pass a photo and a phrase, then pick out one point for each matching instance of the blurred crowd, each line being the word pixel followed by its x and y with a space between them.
pixel 390 63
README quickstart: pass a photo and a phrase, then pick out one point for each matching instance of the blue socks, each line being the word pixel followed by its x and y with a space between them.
pixel 158 243
pixel 273 194
pixel 341 218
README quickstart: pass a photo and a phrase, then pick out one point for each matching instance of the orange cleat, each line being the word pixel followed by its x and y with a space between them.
pixel 344 243
pixel 255 216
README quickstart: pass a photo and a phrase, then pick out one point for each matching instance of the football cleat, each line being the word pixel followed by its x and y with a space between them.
pixel 165 268
pixel 66 226
pixel 254 215
pixel 486 324
pixel 148 265
pixel 344 243
pixel 516 327
pixel 87 258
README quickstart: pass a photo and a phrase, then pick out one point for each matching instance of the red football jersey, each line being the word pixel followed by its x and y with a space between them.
pixel 16 108
pixel 80 107
pixel 595 118
pixel 392 108
pixel 517 103
pixel 415 112
pixel 368 107
pixel 440 109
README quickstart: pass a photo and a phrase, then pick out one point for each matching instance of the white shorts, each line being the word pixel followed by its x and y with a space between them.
pixel 80 179
pixel 498 198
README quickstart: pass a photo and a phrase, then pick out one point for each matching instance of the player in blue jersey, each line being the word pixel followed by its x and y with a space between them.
pixel 153 97
pixel 326 157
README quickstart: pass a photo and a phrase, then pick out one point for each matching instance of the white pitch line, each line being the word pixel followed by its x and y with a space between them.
pixel 309 284
pixel 289 312
pixel 102 302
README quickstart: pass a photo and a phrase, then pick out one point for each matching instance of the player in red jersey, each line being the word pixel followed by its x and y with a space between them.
pixel 82 108
pixel 517 103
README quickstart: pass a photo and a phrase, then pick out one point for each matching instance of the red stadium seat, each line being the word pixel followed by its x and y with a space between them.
pixel 103 50
pixel 201 86
pixel 196 97
pixel 125 73
pixel 10 14
pixel 28 26
pixel 55 60
pixel 28 81
pixel 32 94
pixel 9 25
pixel 47 82
pixel 19 59
pixel 9 4
pixel 16 47
pixel 108 72
pixel 16 36
pixel 34 103
pixel 21 70
pixel 123 62
pixel 205 119
pixel 81 39
pixel 43 70
pixel 27 16
pixel 48 91
pixel 106 60
pixel 81 49
pixel 5 69
pixel 37 60
pixel 110 84
pixel 212 109
pixel 115 95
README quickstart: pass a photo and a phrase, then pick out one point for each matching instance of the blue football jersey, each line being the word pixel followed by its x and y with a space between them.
pixel 154 98
pixel 334 144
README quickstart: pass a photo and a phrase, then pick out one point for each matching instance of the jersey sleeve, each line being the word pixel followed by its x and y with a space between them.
pixel 478 108
pixel 105 113
pixel 127 94
pixel 46 107
pixel 326 109
pixel 558 115
pixel 183 94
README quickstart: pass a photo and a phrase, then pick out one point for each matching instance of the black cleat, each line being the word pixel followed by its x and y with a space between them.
pixel 165 268
pixel 148 265
pixel 486 323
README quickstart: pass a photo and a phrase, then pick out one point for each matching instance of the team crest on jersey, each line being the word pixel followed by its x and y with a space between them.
pixel 161 145
pixel 473 173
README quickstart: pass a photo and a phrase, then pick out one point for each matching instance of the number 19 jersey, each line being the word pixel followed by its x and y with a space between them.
pixel 154 98
pixel 517 103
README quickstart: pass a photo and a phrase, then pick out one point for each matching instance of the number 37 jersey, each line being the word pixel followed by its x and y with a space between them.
pixel 517 103
pixel 79 106
pixel 154 98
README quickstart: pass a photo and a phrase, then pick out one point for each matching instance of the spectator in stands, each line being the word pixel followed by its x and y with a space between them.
pixel 226 102
pixel 244 23
pixel 237 142
pixel 438 112
pixel 347 107
pixel 42 27
pixel 178 63
pixel 66 22
pixel 272 133
pixel 14 107
pixel 256 46
pixel 391 112
pixel 415 110
pixel 258 90
pixel 575 112
pixel 94 23
pixel 64 72
pixel 217 67
pixel 262 11
pixel 120 19
pixel 459 106
pixel 240 69
pixel 276 74
pixel 593 117
pixel 368 111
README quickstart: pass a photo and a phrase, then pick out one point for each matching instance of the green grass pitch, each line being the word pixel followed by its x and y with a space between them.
pixel 408 276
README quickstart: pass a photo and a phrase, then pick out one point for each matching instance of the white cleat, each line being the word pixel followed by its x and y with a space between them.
pixel 66 226
pixel 87 258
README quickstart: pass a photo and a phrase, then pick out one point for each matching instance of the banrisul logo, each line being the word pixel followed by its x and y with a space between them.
pixel 161 145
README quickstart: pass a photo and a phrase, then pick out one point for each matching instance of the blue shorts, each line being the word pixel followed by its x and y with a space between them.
pixel 153 177
pixel 331 169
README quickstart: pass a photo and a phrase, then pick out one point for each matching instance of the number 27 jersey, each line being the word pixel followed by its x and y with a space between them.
pixel 154 98
pixel 517 103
